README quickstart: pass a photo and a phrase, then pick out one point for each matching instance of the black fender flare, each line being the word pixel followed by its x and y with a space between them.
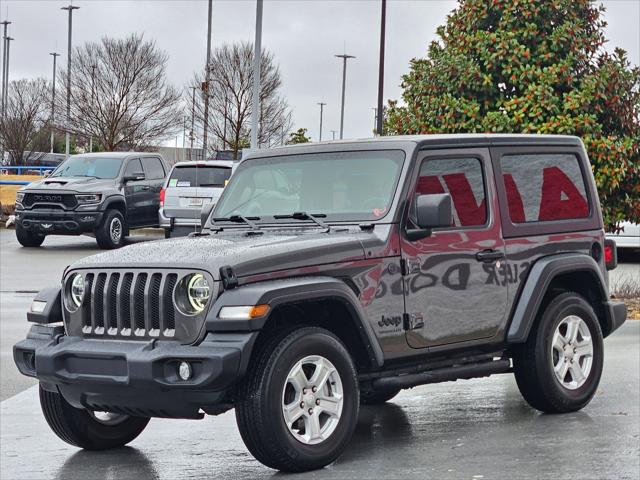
pixel 535 287
pixel 279 292
pixel 110 200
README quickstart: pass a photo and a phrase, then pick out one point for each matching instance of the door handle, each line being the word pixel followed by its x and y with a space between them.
pixel 489 255
pixel 146 187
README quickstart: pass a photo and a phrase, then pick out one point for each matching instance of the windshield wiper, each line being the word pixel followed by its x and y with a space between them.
pixel 314 217
pixel 239 219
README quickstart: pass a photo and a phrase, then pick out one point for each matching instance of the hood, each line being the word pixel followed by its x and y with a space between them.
pixel 75 184
pixel 248 255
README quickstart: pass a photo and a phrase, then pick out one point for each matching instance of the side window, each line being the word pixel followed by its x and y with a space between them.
pixel 134 166
pixel 153 168
pixel 544 187
pixel 462 178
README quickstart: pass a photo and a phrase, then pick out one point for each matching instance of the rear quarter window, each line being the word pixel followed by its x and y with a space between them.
pixel 544 187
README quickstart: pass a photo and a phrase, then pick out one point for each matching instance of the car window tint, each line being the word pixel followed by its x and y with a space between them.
pixel 153 168
pixel 462 178
pixel 133 167
pixel 544 187
pixel 199 176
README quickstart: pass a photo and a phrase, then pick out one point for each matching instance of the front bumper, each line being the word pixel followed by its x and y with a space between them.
pixel 134 377
pixel 59 222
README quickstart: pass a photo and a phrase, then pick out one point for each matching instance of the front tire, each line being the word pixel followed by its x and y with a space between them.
pixel 298 406
pixel 86 429
pixel 111 233
pixel 26 238
pixel 558 369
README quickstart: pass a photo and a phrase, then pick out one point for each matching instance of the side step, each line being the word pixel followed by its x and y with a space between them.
pixel 446 374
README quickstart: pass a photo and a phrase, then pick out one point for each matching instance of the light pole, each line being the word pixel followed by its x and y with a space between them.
pixel 53 97
pixel 5 65
pixel 375 118
pixel 206 82
pixel 344 58
pixel 70 9
pixel 256 76
pixel 7 41
pixel 93 82
pixel 193 117
pixel 322 104
pixel 380 118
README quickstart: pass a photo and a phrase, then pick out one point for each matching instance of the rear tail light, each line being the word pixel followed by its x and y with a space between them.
pixel 610 254
pixel 162 190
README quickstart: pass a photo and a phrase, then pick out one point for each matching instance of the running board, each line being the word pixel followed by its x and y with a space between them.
pixel 447 374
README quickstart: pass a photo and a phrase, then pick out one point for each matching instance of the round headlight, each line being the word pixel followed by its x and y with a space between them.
pixel 77 289
pixel 192 294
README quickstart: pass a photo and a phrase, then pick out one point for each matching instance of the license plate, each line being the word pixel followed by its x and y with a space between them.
pixel 195 202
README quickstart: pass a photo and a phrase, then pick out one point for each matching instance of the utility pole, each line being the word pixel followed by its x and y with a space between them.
pixel 70 9
pixel 256 76
pixel 207 78
pixel 344 58
pixel 5 65
pixel 380 116
pixel 53 98
pixel 333 133
pixel 193 117
pixel 322 104
pixel 7 41
pixel 93 82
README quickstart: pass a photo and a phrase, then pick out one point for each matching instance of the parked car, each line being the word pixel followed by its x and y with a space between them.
pixel 330 275
pixel 188 187
pixel 628 238
pixel 104 194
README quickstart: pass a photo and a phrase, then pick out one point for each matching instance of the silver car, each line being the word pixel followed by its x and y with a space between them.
pixel 628 238
pixel 188 187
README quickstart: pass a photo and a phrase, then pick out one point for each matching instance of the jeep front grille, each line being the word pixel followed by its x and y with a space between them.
pixel 134 305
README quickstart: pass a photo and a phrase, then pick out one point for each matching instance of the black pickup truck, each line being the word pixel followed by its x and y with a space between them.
pixel 103 194
pixel 334 274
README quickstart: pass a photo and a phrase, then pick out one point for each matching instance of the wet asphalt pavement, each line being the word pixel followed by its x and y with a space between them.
pixel 467 429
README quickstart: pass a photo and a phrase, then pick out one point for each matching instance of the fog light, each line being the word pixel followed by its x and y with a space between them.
pixel 184 371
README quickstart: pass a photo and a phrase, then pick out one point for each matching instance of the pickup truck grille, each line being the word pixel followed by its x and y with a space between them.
pixel 66 201
pixel 134 305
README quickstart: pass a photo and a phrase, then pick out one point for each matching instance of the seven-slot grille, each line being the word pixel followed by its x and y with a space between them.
pixel 129 304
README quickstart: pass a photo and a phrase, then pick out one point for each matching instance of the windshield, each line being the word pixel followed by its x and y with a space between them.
pixel 199 176
pixel 349 186
pixel 78 166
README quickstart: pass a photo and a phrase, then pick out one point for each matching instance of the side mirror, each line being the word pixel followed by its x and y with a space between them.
pixel 205 212
pixel 133 177
pixel 432 211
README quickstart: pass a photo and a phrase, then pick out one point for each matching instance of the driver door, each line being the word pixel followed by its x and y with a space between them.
pixel 135 192
pixel 454 293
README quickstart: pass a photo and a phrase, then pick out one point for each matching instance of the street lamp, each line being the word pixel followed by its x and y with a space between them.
pixel 193 117
pixel 206 83
pixel 344 58
pixel 380 118
pixel 256 76
pixel 93 82
pixel 53 97
pixel 70 9
pixel 322 104
pixel 5 65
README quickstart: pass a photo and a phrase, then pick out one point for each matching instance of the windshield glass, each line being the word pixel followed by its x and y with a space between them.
pixel 199 176
pixel 350 186
pixel 79 166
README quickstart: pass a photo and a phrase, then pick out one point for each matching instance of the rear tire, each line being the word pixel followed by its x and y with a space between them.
pixel 558 369
pixel 289 418
pixel 376 397
pixel 111 233
pixel 82 428
pixel 26 238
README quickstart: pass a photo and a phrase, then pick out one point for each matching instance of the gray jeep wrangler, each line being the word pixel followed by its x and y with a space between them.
pixel 336 274
pixel 102 194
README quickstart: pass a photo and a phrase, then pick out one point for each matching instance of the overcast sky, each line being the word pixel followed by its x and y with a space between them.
pixel 303 36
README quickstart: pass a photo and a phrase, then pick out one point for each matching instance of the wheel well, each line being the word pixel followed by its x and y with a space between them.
pixel 118 205
pixel 584 283
pixel 330 314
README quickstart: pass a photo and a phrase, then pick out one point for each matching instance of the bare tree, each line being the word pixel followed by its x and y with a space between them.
pixel 230 99
pixel 22 130
pixel 120 94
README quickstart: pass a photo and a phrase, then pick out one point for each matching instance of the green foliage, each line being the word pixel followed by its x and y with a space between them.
pixel 299 136
pixel 532 66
